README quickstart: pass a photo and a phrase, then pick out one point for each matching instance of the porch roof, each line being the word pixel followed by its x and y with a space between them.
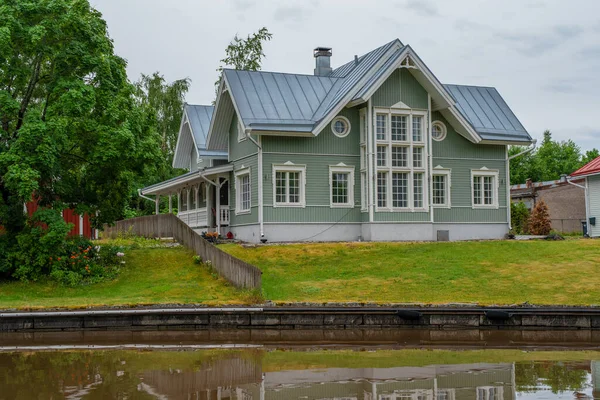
pixel 174 184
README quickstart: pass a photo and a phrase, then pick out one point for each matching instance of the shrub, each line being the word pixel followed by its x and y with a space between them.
pixel 43 249
pixel 539 221
pixel 519 217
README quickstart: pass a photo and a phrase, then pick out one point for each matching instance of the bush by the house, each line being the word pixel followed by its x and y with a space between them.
pixel 519 217
pixel 539 221
pixel 44 250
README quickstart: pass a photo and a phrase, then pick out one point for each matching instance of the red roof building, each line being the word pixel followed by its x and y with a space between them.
pixel 591 173
pixel 591 168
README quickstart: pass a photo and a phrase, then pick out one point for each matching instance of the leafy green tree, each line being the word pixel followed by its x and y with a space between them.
pixel 551 160
pixel 244 54
pixel 166 100
pixel 71 131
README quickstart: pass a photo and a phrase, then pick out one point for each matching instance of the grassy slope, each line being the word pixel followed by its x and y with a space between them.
pixel 491 272
pixel 150 276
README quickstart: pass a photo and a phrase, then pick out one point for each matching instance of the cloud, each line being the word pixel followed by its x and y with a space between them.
pixel 590 52
pixel 563 87
pixel 535 45
pixel 295 14
pixel 423 8
pixel 467 25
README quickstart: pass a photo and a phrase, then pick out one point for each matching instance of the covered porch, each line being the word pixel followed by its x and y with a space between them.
pixel 202 198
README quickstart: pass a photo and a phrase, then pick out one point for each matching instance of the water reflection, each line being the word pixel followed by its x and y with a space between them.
pixel 274 375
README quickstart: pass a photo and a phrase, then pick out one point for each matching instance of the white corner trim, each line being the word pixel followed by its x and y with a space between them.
pixel 344 170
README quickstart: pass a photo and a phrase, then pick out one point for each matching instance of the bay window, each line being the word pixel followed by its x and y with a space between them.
pixel 401 160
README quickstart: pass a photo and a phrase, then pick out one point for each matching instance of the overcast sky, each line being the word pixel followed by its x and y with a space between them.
pixel 543 56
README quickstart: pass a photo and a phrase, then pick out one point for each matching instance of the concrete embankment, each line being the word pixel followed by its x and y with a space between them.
pixel 304 318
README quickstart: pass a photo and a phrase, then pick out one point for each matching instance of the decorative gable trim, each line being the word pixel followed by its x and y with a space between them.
pixel 213 141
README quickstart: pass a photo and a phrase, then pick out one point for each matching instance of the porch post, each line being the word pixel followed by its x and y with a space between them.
pixel 157 204
pixel 178 201
pixel 170 203
pixel 218 210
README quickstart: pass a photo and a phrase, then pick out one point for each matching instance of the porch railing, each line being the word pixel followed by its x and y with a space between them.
pixel 194 218
pixel 224 215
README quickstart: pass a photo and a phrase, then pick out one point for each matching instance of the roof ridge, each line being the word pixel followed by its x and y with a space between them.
pixel 282 73
pixel 477 86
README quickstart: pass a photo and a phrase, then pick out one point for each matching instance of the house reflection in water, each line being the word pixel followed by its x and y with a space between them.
pixel 244 381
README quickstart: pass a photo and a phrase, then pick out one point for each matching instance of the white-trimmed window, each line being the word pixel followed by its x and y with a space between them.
pixel 340 126
pixel 288 185
pixel 242 191
pixel 382 189
pixel 484 188
pixel 441 185
pixel 341 186
pixel 401 159
pixel 438 131
pixel 381 126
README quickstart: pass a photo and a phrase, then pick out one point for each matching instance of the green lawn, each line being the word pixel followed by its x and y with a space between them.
pixel 488 272
pixel 150 276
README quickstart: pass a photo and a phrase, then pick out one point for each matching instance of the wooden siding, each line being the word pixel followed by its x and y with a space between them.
pixel 402 216
pixel 594 203
pixel 317 189
pixel 456 146
pixel 324 143
pixel 237 149
pixel 461 156
pixel 242 219
pixel 401 86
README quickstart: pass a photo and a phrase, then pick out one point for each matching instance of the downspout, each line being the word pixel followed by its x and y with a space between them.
pixel 508 202
pixel 155 201
pixel 260 181
pixel 587 205
pixel 430 177
pixel 370 167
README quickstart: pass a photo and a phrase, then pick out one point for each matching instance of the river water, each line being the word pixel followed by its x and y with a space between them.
pixel 43 368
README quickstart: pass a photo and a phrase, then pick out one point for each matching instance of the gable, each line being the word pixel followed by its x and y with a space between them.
pixel 185 145
pixel 401 86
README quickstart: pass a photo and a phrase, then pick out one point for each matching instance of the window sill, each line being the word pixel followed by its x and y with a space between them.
pixel 243 212
pixel 292 205
pixel 490 207
pixel 346 205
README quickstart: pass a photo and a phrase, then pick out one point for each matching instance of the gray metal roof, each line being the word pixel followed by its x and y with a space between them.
pixel 199 117
pixel 488 113
pixel 273 101
pixel 277 98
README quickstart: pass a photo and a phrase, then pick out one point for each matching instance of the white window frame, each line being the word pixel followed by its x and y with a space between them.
pixel 494 173
pixel 241 134
pixel 238 191
pixel 342 169
pixel 290 168
pixel 443 128
pixel 344 120
pixel 410 169
pixel 448 189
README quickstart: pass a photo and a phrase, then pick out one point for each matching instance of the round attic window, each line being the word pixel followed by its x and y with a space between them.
pixel 438 131
pixel 340 127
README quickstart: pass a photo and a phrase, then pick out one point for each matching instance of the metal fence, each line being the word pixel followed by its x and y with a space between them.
pixel 238 272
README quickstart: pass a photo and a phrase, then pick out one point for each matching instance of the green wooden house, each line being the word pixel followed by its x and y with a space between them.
pixel 377 149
